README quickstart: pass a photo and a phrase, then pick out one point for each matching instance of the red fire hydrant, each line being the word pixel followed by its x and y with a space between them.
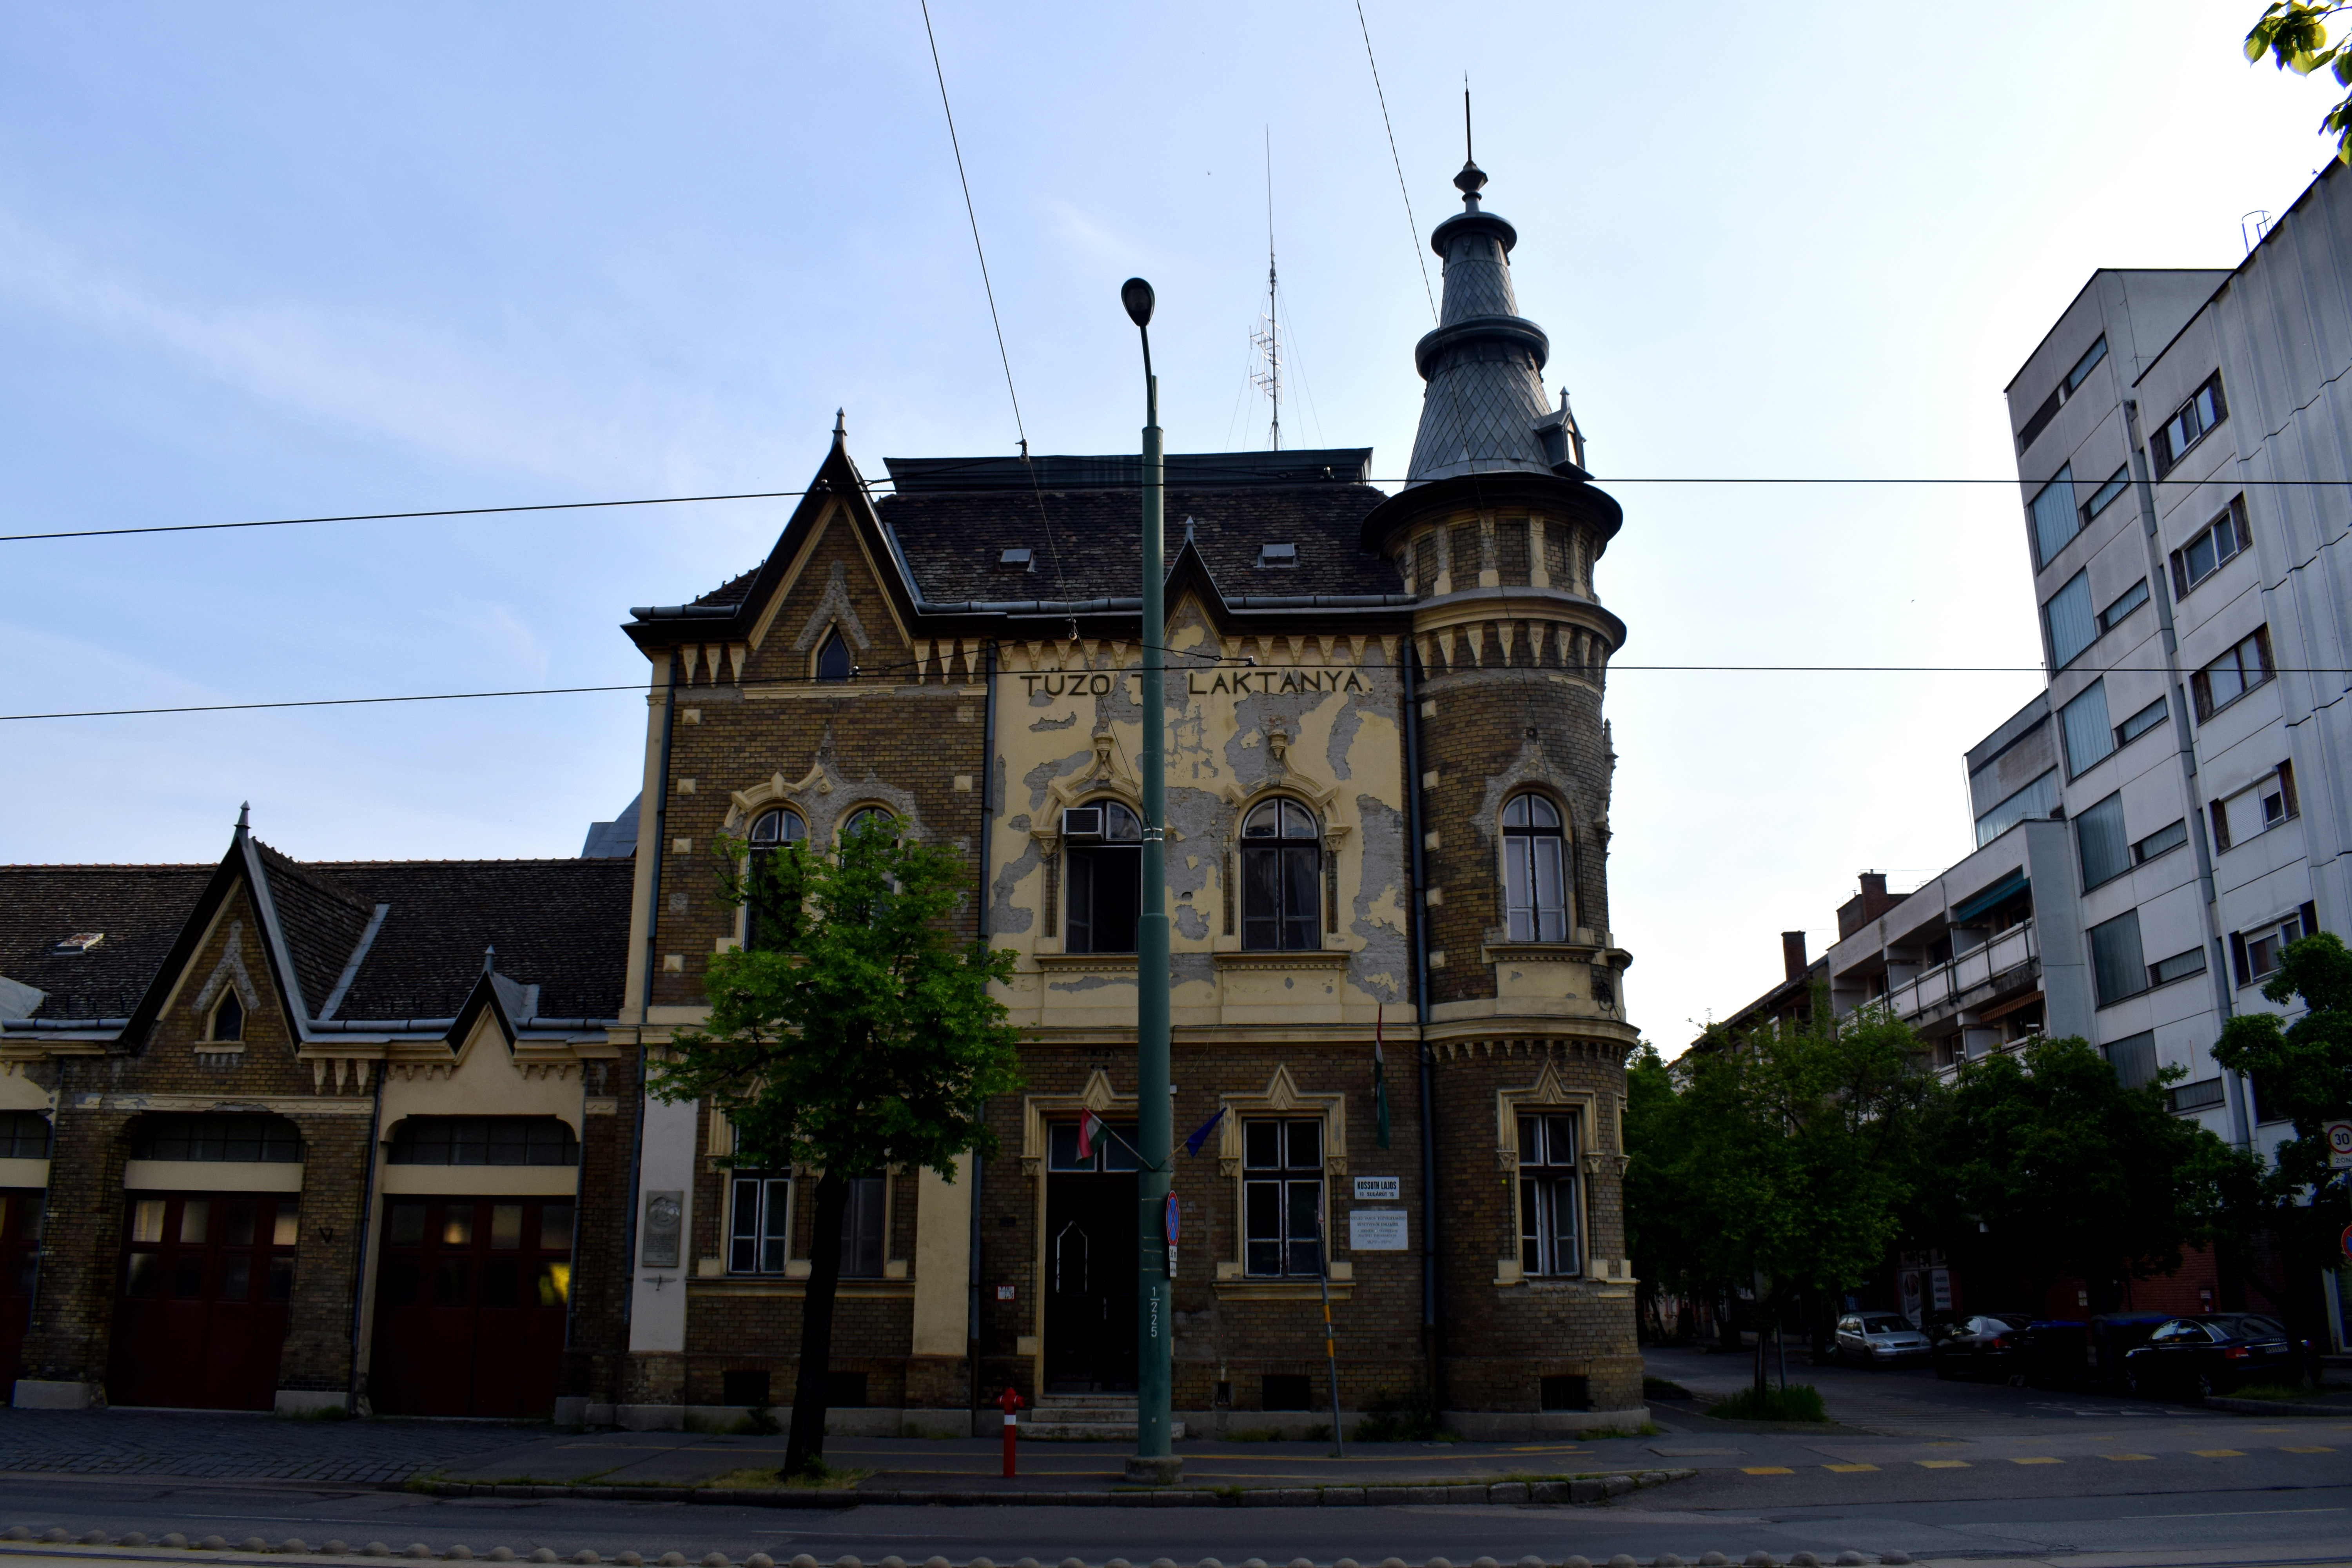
pixel 1008 1402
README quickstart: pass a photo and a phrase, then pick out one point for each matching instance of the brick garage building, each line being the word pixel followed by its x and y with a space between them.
pixel 1388 792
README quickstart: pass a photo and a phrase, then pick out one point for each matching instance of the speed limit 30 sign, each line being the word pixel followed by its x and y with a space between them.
pixel 2339 1144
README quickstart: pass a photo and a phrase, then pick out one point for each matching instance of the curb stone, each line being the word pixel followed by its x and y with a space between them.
pixel 21 1540
pixel 1584 1492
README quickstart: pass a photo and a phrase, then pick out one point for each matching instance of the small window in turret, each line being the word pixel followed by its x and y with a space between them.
pixel 1277 555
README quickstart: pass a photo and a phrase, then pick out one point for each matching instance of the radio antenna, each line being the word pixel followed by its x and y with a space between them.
pixel 1268 338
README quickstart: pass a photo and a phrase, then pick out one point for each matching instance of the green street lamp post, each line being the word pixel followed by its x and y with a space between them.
pixel 1155 1306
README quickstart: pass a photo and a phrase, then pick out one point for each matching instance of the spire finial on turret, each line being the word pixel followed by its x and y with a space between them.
pixel 489 960
pixel 1472 178
pixel 243 815
pixel 840 427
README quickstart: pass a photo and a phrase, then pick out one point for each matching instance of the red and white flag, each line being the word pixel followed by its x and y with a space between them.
pixel 1087 1125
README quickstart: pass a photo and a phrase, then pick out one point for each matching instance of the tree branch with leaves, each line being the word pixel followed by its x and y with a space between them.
pixel 2295 35
pixel 851 1035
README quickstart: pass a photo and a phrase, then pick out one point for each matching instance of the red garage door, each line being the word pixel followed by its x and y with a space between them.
pixel 201 1316
pixel 470 1303
pixel 20 1265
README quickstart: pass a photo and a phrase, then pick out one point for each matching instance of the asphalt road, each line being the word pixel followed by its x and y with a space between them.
pixel 1933 1469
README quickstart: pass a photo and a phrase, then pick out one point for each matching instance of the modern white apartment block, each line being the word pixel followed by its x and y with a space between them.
pixel 2173 809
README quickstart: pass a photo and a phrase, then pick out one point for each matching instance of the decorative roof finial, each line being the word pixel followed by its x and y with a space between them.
pixel 1472 177
pixel 840 427
pixel 243 815
pixel 489 960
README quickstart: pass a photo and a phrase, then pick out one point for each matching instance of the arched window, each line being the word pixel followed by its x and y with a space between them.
pixel 869 819
pixel 1282 867
pixel 1535 890
pixel 773 831
pixel 1106 877
pixel 833 661
pixel 228 1017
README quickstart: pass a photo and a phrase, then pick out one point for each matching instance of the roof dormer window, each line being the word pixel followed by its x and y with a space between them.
pixel 1016 558
pixel 1277 555
pixel 80 942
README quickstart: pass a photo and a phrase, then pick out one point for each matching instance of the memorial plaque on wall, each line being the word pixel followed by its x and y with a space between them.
pixel 665 1212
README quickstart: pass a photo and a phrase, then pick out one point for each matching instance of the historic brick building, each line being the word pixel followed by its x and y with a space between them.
pixel 1388 787
pixel 1387 808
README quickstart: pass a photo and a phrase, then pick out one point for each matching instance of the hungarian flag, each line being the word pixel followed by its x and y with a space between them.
pixel 1380 1085
pixel 1087 1126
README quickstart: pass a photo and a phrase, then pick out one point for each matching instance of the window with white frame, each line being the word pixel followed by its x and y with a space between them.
pixel 2246 666
pixel 2256 953
pixel 2269 802
pixel 1282 878
pixel 759 1222
pixel 1106 877
pixel 1282 1196
pixel 2218 543
pixel 2188 423
pixel 1550 1207
pixel 1535 882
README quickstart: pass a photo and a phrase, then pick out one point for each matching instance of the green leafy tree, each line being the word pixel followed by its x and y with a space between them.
pixel 851 1035
pixel 2301 1071
pixel 2048 1166
pixel 1785 1161
pixel 2295 34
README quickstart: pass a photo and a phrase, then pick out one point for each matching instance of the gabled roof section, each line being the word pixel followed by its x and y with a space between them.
pixel 137 912
pixel 494 994
pixel 247 864
pixel 730 613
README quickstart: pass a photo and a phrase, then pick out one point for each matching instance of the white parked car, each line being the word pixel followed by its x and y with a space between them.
pixel 1879 1339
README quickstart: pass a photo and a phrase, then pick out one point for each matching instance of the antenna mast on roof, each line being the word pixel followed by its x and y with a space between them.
pixel 1267 338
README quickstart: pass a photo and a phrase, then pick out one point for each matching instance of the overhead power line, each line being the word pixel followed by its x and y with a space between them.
pixel 1412 223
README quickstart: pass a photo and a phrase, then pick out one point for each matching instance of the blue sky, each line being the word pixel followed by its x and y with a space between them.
pixel 268 259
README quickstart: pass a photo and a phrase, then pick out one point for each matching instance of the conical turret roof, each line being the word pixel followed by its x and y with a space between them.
pixel 1485 361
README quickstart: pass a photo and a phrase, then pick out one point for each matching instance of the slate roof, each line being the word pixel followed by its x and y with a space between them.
pixel 1084 540
pixel 560 926
pixel 140 909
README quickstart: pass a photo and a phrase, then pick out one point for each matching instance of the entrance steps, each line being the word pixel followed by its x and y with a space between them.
pixel 1085 1418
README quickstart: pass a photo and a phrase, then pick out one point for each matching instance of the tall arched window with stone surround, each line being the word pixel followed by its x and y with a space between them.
pixel 1535 882
pixel 1105 876
pixel 1282 878
pixel 773 831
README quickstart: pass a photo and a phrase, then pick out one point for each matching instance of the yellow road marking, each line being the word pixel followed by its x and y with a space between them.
pixel 1849 1470
pixel 2308 1449
pixel 2038 1459
pixel 2128 1456
pixel 2219 1453
pixel 1941 1463
pixel 1767 1469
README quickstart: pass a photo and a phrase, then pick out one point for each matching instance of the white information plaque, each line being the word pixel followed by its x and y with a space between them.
pixel 1380 1189
pixel 1376 1230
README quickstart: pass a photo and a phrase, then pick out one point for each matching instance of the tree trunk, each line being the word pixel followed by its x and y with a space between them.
pixel 813 1389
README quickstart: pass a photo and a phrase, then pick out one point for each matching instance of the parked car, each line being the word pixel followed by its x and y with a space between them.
pixel 2114 1336
pixel 1987 1344
pixel 2057 1352
pixel 1879 1339
pixel 2212 1354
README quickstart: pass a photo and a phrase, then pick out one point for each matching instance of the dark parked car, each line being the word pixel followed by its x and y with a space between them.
pixel 2212 1354
pixel 1987 1344
pixel 2114 1335
pixel 2057 1352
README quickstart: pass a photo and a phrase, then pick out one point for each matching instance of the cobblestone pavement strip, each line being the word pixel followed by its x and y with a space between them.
pixel 207 1444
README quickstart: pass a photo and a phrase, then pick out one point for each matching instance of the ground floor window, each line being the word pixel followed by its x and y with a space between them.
pixel 759 1224
pixel 1282 1196
pixel 1549 1205
pixel 862 1227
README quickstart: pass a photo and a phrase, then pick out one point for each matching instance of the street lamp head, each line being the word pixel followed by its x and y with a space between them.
pixel 1136 295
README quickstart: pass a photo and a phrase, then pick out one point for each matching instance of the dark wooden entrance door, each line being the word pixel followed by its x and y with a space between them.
pixel 470 1304
pixel 201 1314
pixel 1090 1252
pixel 20 1256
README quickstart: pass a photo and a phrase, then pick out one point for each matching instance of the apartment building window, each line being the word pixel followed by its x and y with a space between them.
pixel 2099 839
pixel 2066 388
pixel 1105 842
pixel 1282 877
pixel 2117 969
pixel 759 1223
pixel 2056 519
pixel 2267 803
pixel 2036 800
pixel 1534 888
pixel 2231 676
pixel 2083 725
pixel 2112 487
pixel 2134 1058
pixel 2140 723
pixel 2188 425
pixel 1548 1205
pixel 2067 622
pixel 1282 1196
pixel 2130 599
pixel 2216 545
pixel 2179 966
pixel 2204 1095
pixel 2163 841
pixel 863 1219
pixel 2254 954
